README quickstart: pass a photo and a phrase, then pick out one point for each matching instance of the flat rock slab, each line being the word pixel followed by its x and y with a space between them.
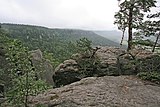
pixel 108 91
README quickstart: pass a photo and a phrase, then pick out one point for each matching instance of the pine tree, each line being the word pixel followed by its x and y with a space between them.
pixel 152 27
pixel 131 15
pixel 19 74
pixel 22 73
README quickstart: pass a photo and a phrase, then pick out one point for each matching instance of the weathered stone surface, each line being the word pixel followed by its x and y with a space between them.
pixel 75 69
pixel 109 61
pixel 67 65
pixel 66 73
pixel 108 55
pixel 37 55
pixel 107 91
pixel 141 53
pixel 43 66
pixel 47 72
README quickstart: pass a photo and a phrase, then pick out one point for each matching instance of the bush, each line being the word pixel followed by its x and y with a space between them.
pixel 148 68
pixel 151 76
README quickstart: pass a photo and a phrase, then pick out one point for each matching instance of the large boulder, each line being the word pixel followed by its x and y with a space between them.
pixel 66 73
pixel 138 60
pixel 107 91
pixel 108 55
pixel 37 55
pixel 74 70
pixel 108 58
pixel 81 66
pixel 111 61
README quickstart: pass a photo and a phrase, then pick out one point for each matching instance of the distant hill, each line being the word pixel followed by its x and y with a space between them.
pixel 54 41
pixel 30 33
pixel 112 35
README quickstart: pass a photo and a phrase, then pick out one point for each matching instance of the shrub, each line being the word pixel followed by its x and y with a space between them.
pixel 151 76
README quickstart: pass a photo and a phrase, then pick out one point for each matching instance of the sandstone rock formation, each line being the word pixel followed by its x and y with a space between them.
pixel 107 91
pixel 36 55
pixel 108 55
pixel 107 61
pixel 43 66
pixel 66 73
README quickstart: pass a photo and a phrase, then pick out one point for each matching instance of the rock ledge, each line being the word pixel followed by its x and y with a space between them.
pixel 107 91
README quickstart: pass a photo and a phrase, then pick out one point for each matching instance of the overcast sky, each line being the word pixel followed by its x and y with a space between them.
pixel 78 14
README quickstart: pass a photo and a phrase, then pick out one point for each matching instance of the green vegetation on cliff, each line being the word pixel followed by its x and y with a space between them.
pixel 18 75
pixel 56 41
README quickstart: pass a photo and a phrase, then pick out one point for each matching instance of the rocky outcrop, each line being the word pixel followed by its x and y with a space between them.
pixel 96 89
pixel 108 55
pixel 107 61
pixel 43 66
pixel 66 73
pixel 36 55
pixel 107 91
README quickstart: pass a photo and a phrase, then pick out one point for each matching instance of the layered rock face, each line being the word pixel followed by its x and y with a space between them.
pixel 66 73
pixel 98 81
pixel 106 61
pixel 81 66
pixel 107 91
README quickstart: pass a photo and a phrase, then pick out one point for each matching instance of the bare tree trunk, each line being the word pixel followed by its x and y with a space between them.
pixel 156 42
pixel 94 52
pixel 130 28
pixel 122 37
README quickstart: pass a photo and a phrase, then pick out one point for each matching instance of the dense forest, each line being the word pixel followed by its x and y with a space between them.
pixel 53 41
pixel 32 55
pixel 20 74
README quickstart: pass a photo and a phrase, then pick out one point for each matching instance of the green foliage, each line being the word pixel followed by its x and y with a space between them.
pixel 51 58
pixel 4 65
pixel 23 81
pixel 131 15
pixel 84 45
pixel 151 76
pixel 55 41
pixel 40 105
pixel 89 66
pixel 138 7
pixel 148 68
pixel 88 62
pixel 146 42
pixel 149 64
pixel 150 27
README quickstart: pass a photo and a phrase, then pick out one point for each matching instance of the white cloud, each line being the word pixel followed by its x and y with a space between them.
pixel 86 14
